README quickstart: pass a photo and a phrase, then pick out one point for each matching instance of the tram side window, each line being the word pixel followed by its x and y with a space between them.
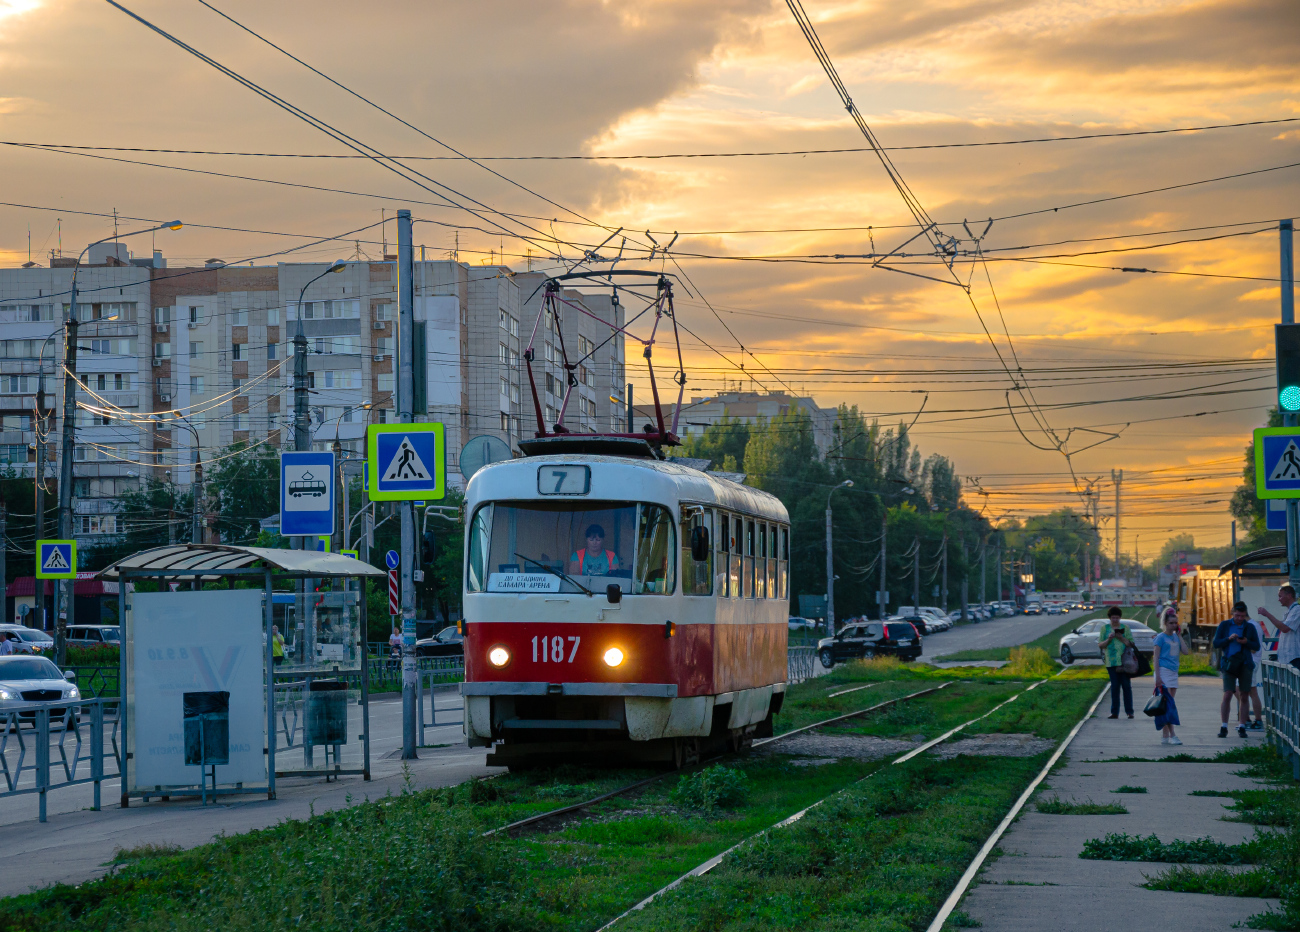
pixel 697 575
pixel 722 545
pixel 760 563
pixel 655 547
pixel 734 589
pixel 476 561
pixel 783 555
pixel 748 570
pixel 773 589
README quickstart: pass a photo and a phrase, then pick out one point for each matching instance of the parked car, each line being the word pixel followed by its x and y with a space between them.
pixel 802 624
pixel 871 639
pixel 94 635
pixel 448 642
pixel 1033 608
pixel 1081 643
pixel 29 640
pixel 28 680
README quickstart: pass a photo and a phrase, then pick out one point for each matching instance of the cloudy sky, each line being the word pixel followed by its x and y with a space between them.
pixel 758 234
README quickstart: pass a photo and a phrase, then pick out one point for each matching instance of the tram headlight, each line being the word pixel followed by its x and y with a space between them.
pixel 498 656
pixel 613 657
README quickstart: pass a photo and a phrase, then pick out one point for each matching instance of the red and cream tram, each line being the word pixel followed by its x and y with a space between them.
pixel 620 608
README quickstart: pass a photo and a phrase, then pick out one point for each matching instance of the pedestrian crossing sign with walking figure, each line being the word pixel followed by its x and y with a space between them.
pixel 56 559
pixel 1277 462
pixel 406 462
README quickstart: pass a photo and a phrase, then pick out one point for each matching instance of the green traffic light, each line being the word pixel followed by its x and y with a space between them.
pixel 1289 398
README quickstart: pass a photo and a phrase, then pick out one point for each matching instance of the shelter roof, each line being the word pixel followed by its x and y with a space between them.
pixel 1263 555
pixel 214 559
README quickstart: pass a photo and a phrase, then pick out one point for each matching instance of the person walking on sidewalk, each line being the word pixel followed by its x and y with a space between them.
pixel 1288 626
pixel 1113 639
pixel 1236 641
pixel 1169 647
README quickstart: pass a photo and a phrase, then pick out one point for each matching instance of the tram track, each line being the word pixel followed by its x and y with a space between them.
pixel 516 828
pixel 708 865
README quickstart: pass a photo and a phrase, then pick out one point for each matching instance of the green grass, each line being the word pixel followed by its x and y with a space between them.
pixel 894 846
pixel 1277 808
pixel 1126 788
pixel 882 855
pixel 1058 806
pixel 1125 847
pixel 1217 881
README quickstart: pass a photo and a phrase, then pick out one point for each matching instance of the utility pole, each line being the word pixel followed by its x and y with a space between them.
pixel 1117 476
pixel 916 574
pixel 999 596
pixel 830 563
pixel 4 547
pixel 943 590
pixel 196 519
pixel 965 579
pixel 984 573
pixel 882 598
pixel 39 591
pixel 405 403
pixel 1287 276
pixel 67 588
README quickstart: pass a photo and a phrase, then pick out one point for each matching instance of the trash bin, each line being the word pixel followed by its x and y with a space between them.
pixel 207 728
pixel 326 713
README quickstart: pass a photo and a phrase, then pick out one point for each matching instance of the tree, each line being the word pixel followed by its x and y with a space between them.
pixel 242 487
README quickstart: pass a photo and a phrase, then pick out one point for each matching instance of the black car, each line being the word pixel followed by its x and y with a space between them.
pixel 871 639
pixel 448 642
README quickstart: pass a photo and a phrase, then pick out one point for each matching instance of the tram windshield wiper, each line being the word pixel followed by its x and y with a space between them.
pixel 563 575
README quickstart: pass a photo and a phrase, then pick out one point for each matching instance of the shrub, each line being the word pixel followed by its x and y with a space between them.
pixel 710 789
pixel 1058 806
pixel 1030 661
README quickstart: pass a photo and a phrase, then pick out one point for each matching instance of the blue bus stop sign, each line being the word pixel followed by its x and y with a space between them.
pixel 306 494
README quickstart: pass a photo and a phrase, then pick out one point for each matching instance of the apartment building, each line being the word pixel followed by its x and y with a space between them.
pixel 700 413
pixel 205 356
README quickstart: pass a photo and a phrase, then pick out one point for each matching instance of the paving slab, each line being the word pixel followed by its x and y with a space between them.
pixel 1038 881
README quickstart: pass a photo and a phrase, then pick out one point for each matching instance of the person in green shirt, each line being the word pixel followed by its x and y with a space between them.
pixel 277 645
pixel 1114 637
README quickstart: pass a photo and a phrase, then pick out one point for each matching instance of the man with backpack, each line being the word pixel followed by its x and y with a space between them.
pixel 1236 640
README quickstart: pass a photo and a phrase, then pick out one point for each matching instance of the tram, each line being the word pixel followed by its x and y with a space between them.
pixel 627 608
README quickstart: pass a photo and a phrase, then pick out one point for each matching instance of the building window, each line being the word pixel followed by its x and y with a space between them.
pixel 240 422
pixel 101 381
pixel 585 346
pixel 504 354
pixel 384 311
pixel 384 382
pixel 162 315
pixel 196 349
pixel 384 346
pixel 196 384
pixel 273 317
pixel 122 382
pixel 270 352
pixel 505 422
pixel 505 388
pixel 162 350
pixel 194 314
pixel 16 422
pixel 238 384
pixel 13 452
pixel 99 524
pixel 237 351
pixel 585 377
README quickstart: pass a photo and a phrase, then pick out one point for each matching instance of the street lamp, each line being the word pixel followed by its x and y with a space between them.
pixel 196 524
pixel 66 601
pixel 830 563
pixel 301 425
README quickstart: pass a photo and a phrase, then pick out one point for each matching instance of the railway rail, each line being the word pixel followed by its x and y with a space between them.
pixel 515 828
pixel 957 893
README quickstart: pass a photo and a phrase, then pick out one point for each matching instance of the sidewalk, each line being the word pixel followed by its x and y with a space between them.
pixel 1040 882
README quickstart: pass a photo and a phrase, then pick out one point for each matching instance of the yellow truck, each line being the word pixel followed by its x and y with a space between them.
pixel 1204 597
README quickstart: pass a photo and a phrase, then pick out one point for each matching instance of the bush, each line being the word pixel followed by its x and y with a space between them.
pixel 102 656
pixel 710 789
pixel 1030 661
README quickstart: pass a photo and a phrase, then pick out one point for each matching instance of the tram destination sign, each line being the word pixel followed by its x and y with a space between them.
pixel 523 582
pixel 1277 462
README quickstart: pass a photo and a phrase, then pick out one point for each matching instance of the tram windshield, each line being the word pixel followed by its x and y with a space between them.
pixel 569 546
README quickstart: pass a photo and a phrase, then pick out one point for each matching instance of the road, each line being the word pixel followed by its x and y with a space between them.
pixel 1000 632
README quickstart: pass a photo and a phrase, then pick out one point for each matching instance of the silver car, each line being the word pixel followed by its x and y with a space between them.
pixel 1081 643
pixel 26 681
pixel 26 640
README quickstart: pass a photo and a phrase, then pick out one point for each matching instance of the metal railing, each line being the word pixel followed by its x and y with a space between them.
pixel 424 686
pixel 30 763
pixel 386 675
pixel 799 663
pixel 1281 685
pixel 97 682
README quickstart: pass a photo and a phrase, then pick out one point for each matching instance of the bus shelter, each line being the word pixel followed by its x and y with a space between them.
pixel 205 671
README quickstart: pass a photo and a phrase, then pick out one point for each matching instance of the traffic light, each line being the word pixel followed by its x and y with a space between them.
pixel 430 548
pixel 1288 366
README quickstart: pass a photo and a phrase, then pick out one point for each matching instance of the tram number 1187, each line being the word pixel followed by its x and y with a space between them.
pixel 552 649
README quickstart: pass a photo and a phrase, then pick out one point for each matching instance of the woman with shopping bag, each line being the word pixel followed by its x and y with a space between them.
pixel 1169 647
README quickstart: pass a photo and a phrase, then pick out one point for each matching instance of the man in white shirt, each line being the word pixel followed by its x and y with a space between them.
pixel 5 647
pixel 1288 627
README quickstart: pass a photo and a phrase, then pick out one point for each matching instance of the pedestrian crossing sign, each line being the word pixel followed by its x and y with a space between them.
pixel 1277 462
pixel 56 559
pixel 406 462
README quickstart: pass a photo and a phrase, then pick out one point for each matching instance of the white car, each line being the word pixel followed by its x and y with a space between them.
pixel 28 640
pixel 802 624
pixel 1081 643
pixel 27 681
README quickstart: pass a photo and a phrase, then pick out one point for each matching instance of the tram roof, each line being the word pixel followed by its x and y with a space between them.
pixel 617 478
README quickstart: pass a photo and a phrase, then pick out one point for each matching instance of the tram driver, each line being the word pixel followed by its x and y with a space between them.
pixel 594 559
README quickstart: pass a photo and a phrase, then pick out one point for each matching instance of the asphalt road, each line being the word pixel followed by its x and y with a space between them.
pixel 1000 632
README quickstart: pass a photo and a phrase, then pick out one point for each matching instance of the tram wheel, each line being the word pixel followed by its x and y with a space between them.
pixel 686 752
